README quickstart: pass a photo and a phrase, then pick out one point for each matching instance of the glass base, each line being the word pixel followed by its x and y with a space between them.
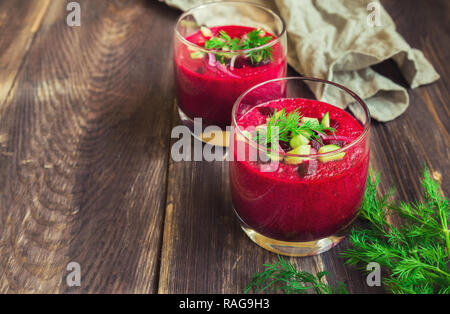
pixel 217 138
pixel 309 248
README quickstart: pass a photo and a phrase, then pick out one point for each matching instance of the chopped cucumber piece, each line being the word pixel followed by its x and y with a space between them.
pixel 313 120
pixel 197 55
pixel 326 120
pixel 206 31
pixel 226 54
pixel 300 150
pixel 275 155
pixel 261 32
pixel 192 49
pixel 298 140
pixel 307 133
pixel 328 149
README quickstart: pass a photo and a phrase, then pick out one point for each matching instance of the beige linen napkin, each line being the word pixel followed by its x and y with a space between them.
pixel 340 40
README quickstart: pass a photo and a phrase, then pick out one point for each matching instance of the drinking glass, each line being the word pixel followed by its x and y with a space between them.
pixel 309 213
pixel 207 88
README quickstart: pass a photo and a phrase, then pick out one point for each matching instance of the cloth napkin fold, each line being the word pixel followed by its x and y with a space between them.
pixel 339 41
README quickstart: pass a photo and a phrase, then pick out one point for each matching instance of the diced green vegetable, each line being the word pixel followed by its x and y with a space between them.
pixel 275 155
pixel 313 120
pixel 328 149
pixel 300 150
pixel 197 55
pixel 307 133
pixel 226 54
pixel 298 140
pixel 206 31
pixel 326 120
pixel 192 49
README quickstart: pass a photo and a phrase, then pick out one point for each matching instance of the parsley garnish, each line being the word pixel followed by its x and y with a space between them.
pixel 257 39
pixel 253 39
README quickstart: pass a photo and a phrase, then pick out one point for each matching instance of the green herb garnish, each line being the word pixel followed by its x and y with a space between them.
pixel 416 253
pixel 223 41
pixel 253 39
pixel 283 276
pixel 282 126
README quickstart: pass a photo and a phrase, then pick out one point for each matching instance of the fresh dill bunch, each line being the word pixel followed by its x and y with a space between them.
pixel 282 126
pixel 414 254
pixel 283 276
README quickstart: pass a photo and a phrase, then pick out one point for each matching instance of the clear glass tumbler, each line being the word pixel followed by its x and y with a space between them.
pixel 209 75
pixel 299 204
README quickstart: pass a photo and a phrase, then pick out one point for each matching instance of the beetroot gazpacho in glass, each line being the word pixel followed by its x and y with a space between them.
pixel 220 51
pixel 299 165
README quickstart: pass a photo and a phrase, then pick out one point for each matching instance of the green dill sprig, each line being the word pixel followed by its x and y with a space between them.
pixel 416 253
pixel 253 39
pixel 283 276
pixel 282 126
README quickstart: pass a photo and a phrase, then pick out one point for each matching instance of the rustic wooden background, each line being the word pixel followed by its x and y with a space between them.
pixel 85 172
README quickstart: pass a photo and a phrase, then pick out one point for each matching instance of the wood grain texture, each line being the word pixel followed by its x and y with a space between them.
pixel 19 20
pixel 83 153
pixel 85 170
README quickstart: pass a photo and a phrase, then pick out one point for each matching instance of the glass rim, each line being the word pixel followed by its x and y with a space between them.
pixel 357 140
pixel 234 52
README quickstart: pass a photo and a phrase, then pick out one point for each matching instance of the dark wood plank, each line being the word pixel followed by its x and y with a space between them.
pixel 84 152
pixel 421 135
pixel 204 249
pixel 400 149
pixel 19 21
pixel 84 148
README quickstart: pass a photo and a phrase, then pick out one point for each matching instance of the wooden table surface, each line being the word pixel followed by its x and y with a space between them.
pixel 85 171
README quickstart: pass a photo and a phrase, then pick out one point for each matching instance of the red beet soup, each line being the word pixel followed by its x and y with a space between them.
pixel 207 86
pixel 303 200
